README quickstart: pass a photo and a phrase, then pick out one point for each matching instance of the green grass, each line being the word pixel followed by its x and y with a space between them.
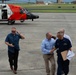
pixel 64 8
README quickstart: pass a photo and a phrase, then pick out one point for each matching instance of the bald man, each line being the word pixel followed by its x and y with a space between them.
pixel 48 55
pixel 12 41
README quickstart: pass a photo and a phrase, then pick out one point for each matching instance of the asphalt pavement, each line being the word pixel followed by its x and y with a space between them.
pixel 30 58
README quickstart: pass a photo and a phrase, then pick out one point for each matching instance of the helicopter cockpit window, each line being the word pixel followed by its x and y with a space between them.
pixel 24 11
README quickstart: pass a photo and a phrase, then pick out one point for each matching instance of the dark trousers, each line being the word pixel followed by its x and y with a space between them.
pixel 13 59
pixel 63 66
pixel 66 66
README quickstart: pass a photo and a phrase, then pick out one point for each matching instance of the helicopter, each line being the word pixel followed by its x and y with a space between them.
pixel 11 13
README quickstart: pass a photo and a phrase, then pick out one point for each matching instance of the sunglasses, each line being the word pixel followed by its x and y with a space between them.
pixel 13 31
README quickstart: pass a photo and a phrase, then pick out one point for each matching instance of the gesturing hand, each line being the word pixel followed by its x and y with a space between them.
pixel 51 51
pixel 11 45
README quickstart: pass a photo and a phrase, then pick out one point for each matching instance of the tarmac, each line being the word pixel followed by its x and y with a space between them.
pixel 30 58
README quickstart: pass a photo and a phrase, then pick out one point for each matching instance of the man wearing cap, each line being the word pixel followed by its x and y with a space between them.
pixel 12 41
pixel 47 45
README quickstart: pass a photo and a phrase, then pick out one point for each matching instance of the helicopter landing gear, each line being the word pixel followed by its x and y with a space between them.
pixel 21 21
pixel 11 22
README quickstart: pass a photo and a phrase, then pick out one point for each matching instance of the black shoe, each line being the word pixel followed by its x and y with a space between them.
pixel 15 72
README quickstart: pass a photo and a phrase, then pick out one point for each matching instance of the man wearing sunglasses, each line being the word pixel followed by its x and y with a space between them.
pixel 12 41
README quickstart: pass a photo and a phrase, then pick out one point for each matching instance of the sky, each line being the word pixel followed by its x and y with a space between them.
pixel 39 0
pixel 47 0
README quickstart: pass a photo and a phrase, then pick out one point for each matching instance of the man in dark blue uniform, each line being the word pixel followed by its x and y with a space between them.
pixel 62 44
pixel 12 41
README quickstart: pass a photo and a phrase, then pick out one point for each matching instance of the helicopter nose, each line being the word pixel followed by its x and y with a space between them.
pixel 32 16
pixel 37 16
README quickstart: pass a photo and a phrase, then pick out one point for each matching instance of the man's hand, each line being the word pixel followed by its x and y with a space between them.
pixel 18 32
pixel 11 45
pixel 70 49
pixel 51 51
pixel 22 36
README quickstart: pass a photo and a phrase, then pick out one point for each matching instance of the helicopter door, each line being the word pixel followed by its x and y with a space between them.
pixel 4 14
pixel 0 14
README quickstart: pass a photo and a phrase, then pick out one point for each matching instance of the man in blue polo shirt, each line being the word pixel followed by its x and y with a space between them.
pixel 47 45
pixel 62 44
pixel 12 41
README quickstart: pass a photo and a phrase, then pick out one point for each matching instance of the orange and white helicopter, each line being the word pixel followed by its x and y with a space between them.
pixel 11 13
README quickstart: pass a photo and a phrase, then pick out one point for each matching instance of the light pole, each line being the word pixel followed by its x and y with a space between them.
pixel 2 1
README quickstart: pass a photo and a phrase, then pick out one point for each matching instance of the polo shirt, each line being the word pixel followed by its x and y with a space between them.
pixel 13 39
pixel 62 45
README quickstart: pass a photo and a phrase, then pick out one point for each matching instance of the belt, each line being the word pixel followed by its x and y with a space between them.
pixel 50 54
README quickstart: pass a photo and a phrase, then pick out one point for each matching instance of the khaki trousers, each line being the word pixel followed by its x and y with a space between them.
pixel 47 58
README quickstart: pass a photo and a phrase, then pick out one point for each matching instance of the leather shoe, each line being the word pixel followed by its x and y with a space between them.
pixel 15 72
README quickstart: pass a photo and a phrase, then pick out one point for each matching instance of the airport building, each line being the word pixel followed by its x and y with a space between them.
pixel 59 1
